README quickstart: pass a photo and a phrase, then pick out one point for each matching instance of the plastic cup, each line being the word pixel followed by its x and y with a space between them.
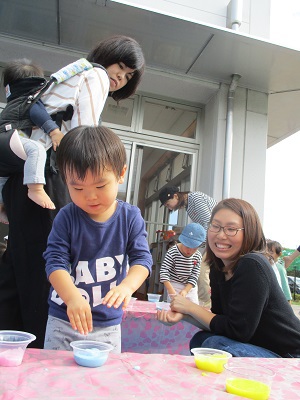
pixel 211 360
pixel 12 347
pixel 90 353
pixel 252 382
pixel 171 297
pixel 153 298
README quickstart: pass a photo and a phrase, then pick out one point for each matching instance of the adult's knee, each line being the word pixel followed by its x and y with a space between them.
pixel 199 338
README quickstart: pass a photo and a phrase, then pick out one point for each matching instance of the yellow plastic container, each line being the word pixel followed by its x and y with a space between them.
pixel 252 381
pixel 211 360
pixel 248 388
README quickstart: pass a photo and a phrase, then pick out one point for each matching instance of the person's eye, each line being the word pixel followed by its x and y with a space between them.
pixel 231 229
pixel 100 187
pixel 214 226
pixel 78 189
pixel 129 76
pixel 121 65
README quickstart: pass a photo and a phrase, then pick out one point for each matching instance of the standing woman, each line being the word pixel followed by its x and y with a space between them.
pixel 199 207
pixel 24 288
pixel 250 316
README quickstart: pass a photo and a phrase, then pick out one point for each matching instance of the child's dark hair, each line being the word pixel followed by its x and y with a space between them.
pixel 19 69
pixel 114 50
pixel 90 148
pixel 276 245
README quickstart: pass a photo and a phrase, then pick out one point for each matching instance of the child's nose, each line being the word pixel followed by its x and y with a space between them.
pixel 91 195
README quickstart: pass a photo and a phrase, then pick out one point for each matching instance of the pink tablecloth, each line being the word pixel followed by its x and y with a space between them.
pixel 50 374
pixel 142 333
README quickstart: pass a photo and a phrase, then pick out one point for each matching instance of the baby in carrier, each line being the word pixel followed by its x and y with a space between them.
pixel 22 78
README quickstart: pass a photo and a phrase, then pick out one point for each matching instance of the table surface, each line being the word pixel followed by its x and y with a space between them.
pixel 51 374
pixel 143 333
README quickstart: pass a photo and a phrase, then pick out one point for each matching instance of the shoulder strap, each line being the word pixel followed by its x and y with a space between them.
pixel 73 69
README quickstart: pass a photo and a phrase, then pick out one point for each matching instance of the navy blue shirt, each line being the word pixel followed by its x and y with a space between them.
pixel 96 254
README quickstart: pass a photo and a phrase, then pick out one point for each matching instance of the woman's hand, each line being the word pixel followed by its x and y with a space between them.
pixel 169 317
pixel 180 304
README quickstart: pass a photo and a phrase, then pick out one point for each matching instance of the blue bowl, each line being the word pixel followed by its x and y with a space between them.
pixel 90 353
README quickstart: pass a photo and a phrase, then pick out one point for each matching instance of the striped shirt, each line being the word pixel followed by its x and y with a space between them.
pixel 199 207
pixel 86 92
pixel 178 268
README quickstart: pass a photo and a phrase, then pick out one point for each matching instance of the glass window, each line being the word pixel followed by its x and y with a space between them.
pixel 123 187
pixel 169 118
pixel 118 114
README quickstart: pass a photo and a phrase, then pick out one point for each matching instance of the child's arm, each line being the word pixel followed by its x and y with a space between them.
pixel 40 117
pixel 169 287
pixel 193 278
pixel 78 309
pixel 137 274
pixel 164 273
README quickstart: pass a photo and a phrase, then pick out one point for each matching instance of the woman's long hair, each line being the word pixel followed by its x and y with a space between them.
pixel 254 238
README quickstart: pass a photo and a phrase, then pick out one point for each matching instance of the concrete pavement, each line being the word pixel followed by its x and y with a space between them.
pixel 296 309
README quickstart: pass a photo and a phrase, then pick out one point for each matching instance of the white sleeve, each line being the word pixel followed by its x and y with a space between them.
pixel 91 99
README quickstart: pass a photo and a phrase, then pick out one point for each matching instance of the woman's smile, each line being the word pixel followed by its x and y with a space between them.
pixel 223 246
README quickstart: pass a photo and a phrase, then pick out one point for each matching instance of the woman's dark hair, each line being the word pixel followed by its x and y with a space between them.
pixel 116 49
pixel 276 245
pixel 19 69
pixel 254 238
pixel 90 148
pixel 182 200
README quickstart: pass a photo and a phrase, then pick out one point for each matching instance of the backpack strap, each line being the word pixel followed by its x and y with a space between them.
pixel 73 69
pixel 59 117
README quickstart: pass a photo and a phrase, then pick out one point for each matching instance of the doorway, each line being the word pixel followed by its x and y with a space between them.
pixel 150 169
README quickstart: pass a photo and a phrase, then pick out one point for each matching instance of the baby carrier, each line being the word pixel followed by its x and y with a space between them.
pixel 20 97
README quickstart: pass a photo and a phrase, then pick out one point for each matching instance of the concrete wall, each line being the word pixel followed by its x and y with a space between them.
pixel 248 147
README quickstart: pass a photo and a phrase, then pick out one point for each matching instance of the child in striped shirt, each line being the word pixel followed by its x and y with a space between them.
pixel 181 266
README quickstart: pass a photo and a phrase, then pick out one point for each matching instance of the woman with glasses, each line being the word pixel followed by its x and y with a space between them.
pixel 249 316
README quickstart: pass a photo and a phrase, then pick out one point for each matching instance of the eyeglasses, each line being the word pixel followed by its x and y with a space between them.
pixel 226 229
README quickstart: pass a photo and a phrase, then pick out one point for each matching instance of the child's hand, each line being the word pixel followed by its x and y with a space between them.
pixel 56 136
pixel 116 296
pixel 80 316
pixel 183 292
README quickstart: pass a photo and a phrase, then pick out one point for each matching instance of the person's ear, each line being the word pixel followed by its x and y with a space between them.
pixel 122 176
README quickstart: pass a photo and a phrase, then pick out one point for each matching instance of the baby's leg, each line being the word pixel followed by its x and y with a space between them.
pixel 34 173
pixel 37 194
